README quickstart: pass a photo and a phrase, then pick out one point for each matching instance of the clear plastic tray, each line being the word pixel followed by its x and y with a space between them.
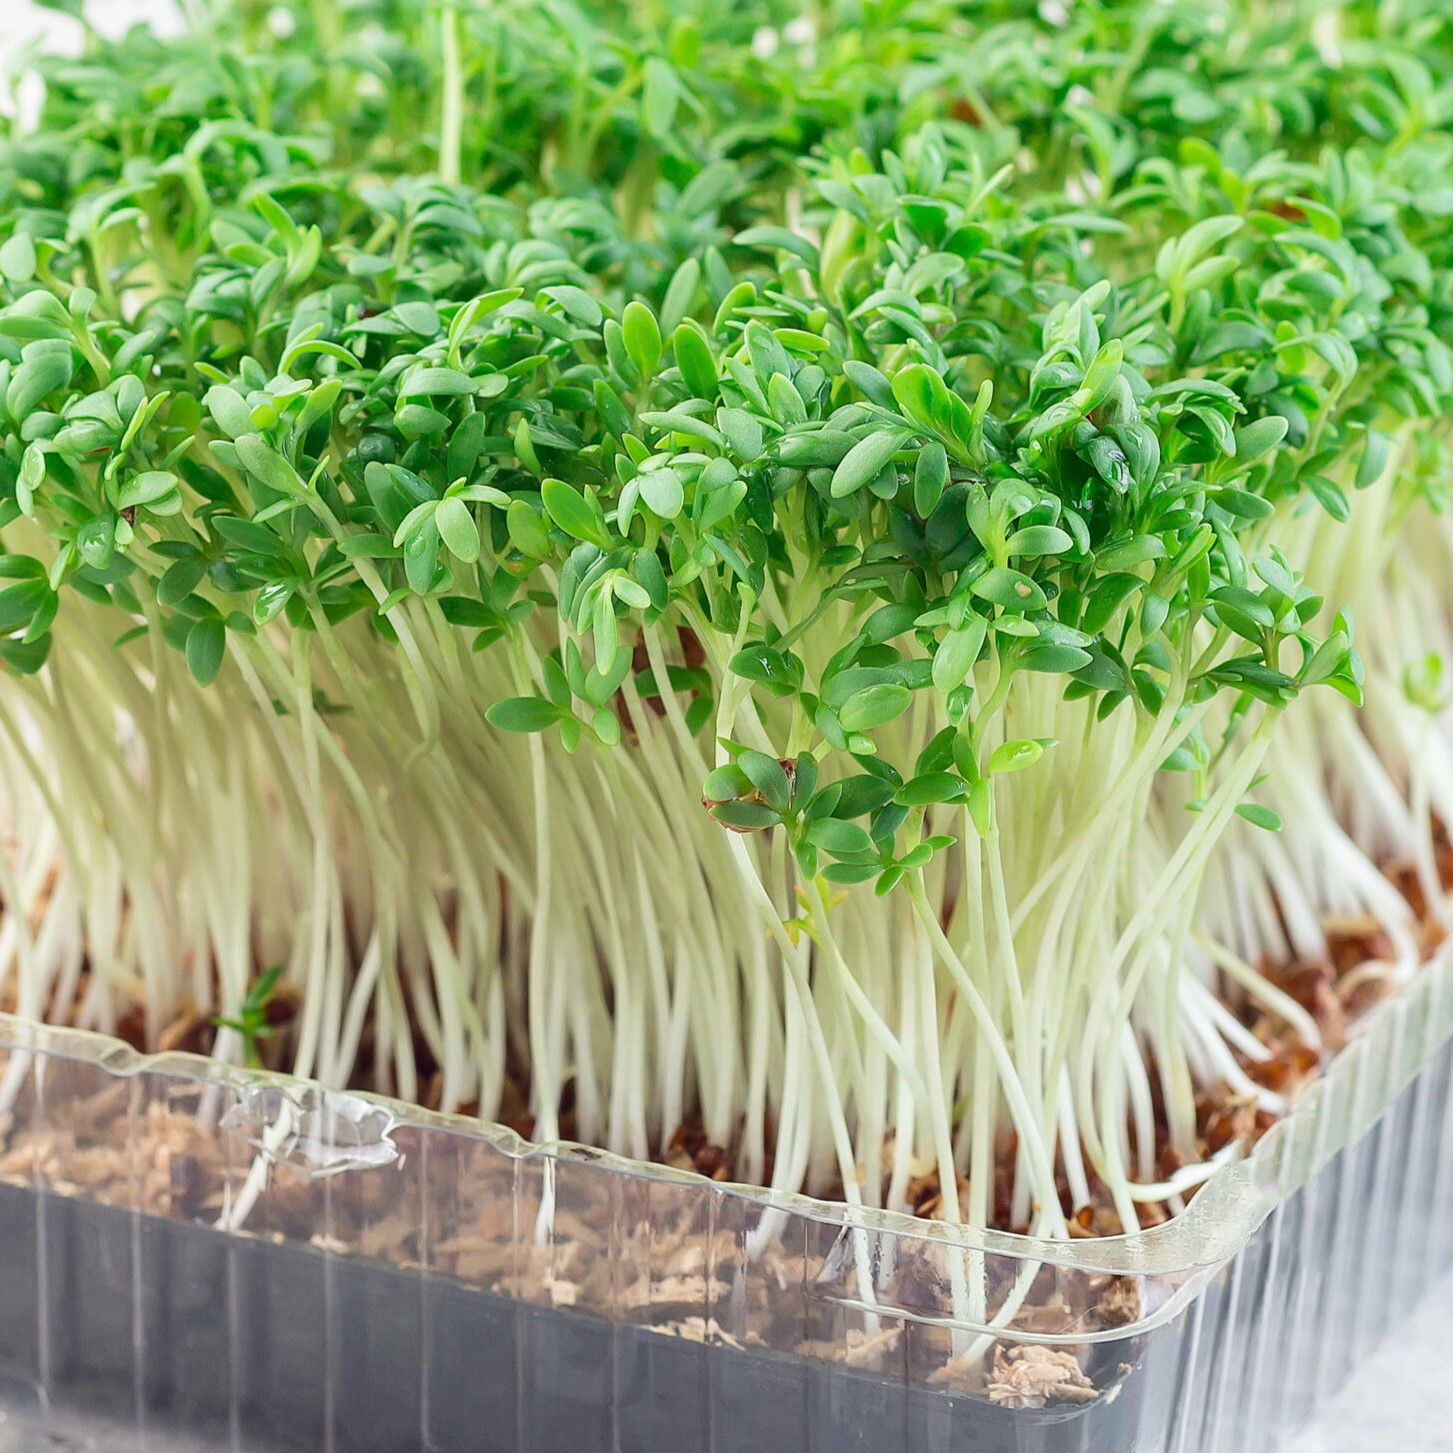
pixel 198 1257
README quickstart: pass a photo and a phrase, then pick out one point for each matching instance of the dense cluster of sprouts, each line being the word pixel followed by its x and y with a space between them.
pixel 770 567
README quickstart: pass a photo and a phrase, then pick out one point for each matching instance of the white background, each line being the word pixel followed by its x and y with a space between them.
pixel 1401 1401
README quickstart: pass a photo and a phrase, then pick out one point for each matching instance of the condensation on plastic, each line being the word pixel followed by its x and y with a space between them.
pixel 193 1251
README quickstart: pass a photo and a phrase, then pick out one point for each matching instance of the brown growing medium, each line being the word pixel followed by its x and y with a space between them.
pixel 1030 1377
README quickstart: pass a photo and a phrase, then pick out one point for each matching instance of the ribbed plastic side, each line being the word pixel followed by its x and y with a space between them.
pixel 196 1259
pixel 1278 1330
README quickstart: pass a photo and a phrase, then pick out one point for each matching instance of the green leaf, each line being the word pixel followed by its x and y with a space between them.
pixel 96 541
pixel 574 513
pixel 577 302
pixel 1015 756
pixel 874 706
pixel 779 672
pixel 1329 495
pixel 661 490
pixel 31 476
pixel 277 218
pixel 661 95
pixel 420 318
pixel 457 529
pixel 927 401
pixel 869 382
pixel 1101 375
pixel 25 657
pixel 957 653
pixel 36 314
pixel 527 530
pixel 181 578
pixel 1259 437
pixel 785 402
pixel 629 593
pixel 604 631
pixel 1243 611
pixel 1375 454
pixel 642 337
pixel 523 714
pixel 887 622
pixel 680 293
pixel 864 793
pixel 866 460
pixel 1037 540
pixel 438 381
pixel 930 477
pixel 1106 598
pixel 766 774
pixel 1010 589
pixel 1129 553
pixel 461 610
pixel 739 297
pixel 743 433
pixel 782 240
pixel 693 354
pixel 604 723
pixel 267 466
pixel 421 557
pixel 231 413
pixel 35 379
pixel 933 787
pixel 613 412
pixel 17 258
pixel 915 391
pixel 1243 505
pixel 1258 816
pixel 652 577
pixel 725 783
pixel 19 603
pixel 839 838
pixel 1424 681
pixel 145 489
pixel 413 522
pixel 474 494
pixel 1181 254
pixel 745 816
pixel 815 448
pixel 1055 657
pixel 852 872
pixel 271 601
pixel 40 623
pixel 206 645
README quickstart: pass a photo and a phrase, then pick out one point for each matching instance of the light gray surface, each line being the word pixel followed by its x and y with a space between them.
pixel 89 1437
pixel 1401 1399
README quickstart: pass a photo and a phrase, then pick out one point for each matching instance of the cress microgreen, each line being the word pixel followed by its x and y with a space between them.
pixel 751 564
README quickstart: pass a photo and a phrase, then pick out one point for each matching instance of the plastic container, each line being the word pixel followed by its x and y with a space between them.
pixel 195 1257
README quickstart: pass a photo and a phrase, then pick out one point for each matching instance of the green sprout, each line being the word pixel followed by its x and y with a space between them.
pixel 251 1020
